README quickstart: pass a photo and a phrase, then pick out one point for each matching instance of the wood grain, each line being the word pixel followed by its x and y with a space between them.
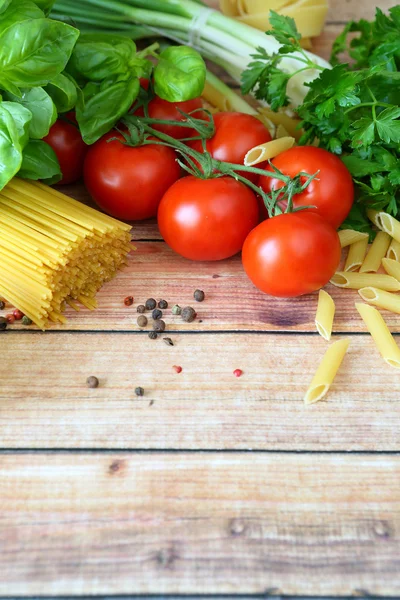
pixel 45 402
pixel 117 524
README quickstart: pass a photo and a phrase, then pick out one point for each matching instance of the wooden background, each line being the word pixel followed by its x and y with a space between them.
pixel 208 485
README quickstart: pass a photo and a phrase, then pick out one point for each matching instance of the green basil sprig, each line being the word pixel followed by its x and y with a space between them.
pixel 180 74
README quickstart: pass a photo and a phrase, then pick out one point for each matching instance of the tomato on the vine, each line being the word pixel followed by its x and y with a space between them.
pixel 235 134
pixel 170 111
pixel 331 192
pixel 128 182
pixel 70 149
pixel 291 254
pixel 207 219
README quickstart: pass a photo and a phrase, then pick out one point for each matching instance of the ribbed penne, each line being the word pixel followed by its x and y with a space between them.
pixel 378 250
pixel 348 237
pixel 392 267
pixel 326 371
pixel 381 299
pixel 380 333
pixel 373 216
pixel 281 118
pixel 281 132
pixel 394 251
pixel 388 224
pixel 356 281
pixel 268 151
pixel 325 315
pixel 356 255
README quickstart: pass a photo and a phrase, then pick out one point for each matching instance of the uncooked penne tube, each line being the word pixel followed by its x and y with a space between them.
pixel 281 132
pixel 380 334
pixel 325 315
pixel 392 267
pixel 388 224
pixel 348 237
pixel 356 255
pixel 378 250
pixel 394 251
pixel 356 281
pixel 381 299
pixel 267 151
pixel 326 371
pixel 373 216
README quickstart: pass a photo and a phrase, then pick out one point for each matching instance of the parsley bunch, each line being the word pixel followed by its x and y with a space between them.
pixel 352 109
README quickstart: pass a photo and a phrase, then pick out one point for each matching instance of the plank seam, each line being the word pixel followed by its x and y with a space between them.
pixel 183 332
pixel 109 451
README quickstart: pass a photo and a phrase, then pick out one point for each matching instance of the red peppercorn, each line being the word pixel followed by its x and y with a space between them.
pixel 128 301
pixel 18 315
pixel 177 369
pixel 10 319
pixel 238 372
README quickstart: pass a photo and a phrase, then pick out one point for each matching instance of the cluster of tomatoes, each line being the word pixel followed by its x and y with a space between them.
pixel 211 219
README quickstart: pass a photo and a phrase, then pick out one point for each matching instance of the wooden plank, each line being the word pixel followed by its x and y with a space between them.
pixel 45 402
pixel 163 523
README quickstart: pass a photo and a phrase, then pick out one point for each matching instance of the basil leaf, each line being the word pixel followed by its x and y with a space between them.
pixel 4 4
pixel 39 161
pixel 33 52
pixel 42 107
pixel 180 74
pixel 22 118
pixel 97 56
pixel 10 147
pixel 19 10
pixel 100 107
pixel 45 5
pixel 62 90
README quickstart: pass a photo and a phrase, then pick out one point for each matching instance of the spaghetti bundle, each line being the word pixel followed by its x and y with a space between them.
pixel 55 251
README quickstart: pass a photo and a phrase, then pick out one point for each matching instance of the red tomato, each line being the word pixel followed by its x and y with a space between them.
pixel 169 111
pixel 70 149
pixel 144 83
pixel 292 254
pixel 332 192
pixel 235 134
pixel 128 183
pixel 207 219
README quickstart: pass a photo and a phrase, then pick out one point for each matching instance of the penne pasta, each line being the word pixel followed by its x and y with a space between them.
pixel 380 298
pixel 356 281
pixel 325 315
pixel 392 267
pixel 388 224
pixel 378 250
pixel 229 7
pixel 394 251
pixel 281 118
pixel 269 150
pixel 281 132
pixel 349 236
pixel 326 371
pixel 372 216
pixel 380 334
pixel 356 255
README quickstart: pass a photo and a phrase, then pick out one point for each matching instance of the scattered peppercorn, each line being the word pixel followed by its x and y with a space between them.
pixel 199 295
pixel 18 315
pixel 176 309
pixel 153 335
pixel 92 382
pixel 128 301
pixel 3 323
pixel 163 304
pixel 2 304
pixel 142 321
pixel 188 314
pixel 141 308
pixel 26 320
pixel 139 391
pixel 150 304
pixel 156 314
pixel 10 319
pixel 177 369
pixel 168 341
pixel 238 372
pixel 159 325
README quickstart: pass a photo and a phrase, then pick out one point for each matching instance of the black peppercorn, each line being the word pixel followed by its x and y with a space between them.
pixel 3 323
pixel 163 304
pixel 92 382
pixel 142 321
pixel 156 314
pixel 150 304
pixel 199 295
pixel 2 304
pixel 159 325
pixel 141 308
pixel 139 391
pixel 153 335
pixel 168 341
pixel 188 314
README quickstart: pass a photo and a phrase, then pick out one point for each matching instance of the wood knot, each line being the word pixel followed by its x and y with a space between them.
pixel 166 557
pixel 116 466
pixel 215 276
pixel 237 527
pixel 382 529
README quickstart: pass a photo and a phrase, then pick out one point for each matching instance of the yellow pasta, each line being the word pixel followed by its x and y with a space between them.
pixel 326 371
pixel 219 95
pixel 281 132
pixel 349 236
pixel 372 216
pixel 54 250
pixel 356 281
pixel 325 315
pixel 378 250
pixel 380 298
pixel 266 151
pixel 394 251
pixel 281 118
pixel 229 7
pixel 392 267
pixel 356 255
pixel 380 334
pixel 388 224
